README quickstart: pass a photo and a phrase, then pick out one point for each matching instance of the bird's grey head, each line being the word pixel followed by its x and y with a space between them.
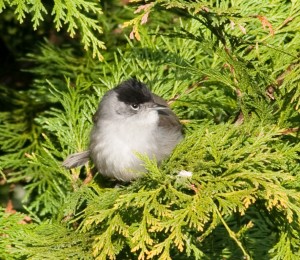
pixel 130 99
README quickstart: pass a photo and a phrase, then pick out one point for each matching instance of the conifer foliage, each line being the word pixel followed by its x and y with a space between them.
pixel 72 14
pixel 230 189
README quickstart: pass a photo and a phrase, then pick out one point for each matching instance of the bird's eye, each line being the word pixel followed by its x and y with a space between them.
pixel 135 106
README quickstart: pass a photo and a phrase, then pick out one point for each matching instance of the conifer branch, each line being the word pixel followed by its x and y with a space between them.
pixel 232 234
pixel 243 182
pixel 73 14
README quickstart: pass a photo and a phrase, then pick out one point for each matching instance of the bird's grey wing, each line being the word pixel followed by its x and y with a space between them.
pixel 159 100
pixel 76 159
pixel 167 118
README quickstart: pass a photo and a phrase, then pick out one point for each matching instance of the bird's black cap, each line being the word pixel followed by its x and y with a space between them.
pixel 133 91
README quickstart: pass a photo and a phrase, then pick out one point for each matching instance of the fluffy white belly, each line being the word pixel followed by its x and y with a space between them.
pixel 116 146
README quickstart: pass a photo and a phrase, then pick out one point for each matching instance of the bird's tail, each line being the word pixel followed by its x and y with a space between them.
pixel 76 159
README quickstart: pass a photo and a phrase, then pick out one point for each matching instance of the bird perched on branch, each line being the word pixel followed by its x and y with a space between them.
pixel 130 120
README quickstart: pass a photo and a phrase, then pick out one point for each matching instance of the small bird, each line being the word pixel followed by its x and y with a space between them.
pixel 130 120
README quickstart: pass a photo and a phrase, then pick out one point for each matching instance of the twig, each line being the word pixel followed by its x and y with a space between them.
pixel 232 235
pixel 289 130
pixel 279 81
pixel 187 91
pixel 89 175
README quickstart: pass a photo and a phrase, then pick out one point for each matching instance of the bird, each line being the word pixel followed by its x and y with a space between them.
pixel 130 120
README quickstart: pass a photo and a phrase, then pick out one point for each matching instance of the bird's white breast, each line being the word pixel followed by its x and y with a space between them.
pixel 117 143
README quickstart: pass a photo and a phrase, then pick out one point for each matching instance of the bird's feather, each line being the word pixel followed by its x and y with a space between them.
pixel 76 159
